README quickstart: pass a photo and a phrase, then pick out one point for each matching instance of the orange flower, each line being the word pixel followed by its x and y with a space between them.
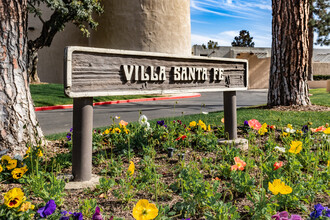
pixel 240 164
pixel 278 165
pixel 321 128
pixel 123 123
pixel 254 124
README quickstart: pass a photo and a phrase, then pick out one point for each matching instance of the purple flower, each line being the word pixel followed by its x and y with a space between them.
pixel 327 212
pixel 246 123
pixel 48 209
pixel 161 123
pixel 285 216
pixel 64 217
pixel 97 215
pixel 71 129
pixel 78 216
pixel 68 136
pixel 305 128
pixel 318 209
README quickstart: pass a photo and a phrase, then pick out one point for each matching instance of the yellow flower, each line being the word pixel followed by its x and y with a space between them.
pixel 126 130
pixel 290 126
pixel 116 130
pixel 1 168
pixel 107 131
pixel 284 134
pixel 327 131
pixel 40 154
pixel 14 197
pixel 131 168
pixel 279 187
pixel 28 150
pixel 17 173
pixel 263 129
pixel 11 164
pixel 209 128
pixel 192 124
pixel 296 147
pixel 328 163
pixel 26 206
pixel 143 210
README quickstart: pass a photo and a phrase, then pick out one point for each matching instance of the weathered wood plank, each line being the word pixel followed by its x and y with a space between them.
pixel 93 71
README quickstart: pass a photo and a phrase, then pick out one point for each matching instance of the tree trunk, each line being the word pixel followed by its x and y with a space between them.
pixel 33 66
pixel 289 62
pixel 310 50
pixel 18 122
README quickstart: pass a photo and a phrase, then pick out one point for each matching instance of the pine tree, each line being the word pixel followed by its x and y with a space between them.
pixel 289 60
pixel 243 40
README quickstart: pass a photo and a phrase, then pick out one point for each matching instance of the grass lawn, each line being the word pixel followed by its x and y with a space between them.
pixel 320 97
pixel 53 94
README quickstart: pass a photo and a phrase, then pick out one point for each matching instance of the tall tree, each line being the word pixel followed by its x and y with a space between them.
pixel 289 59
pixel 243 40
pixel 18 124
pixel 63 11
pixel 319 22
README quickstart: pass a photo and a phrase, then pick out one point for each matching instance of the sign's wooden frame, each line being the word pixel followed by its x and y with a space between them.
pixel 125 90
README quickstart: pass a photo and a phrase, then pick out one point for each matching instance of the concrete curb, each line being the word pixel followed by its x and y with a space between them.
pixel 47 108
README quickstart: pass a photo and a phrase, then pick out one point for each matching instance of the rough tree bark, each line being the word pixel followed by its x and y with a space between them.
pixel 289 62
pixel 310 47
pixel 18 122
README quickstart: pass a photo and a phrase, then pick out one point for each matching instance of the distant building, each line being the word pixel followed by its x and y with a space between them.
pixel 259 62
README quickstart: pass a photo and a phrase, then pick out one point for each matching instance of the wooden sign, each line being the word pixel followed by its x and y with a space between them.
pixel 91 72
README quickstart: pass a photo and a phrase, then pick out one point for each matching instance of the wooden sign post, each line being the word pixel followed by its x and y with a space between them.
pixel 93 72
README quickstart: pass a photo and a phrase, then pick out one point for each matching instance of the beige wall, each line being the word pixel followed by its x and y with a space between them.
pixel 321 68
pixel 145 25
pixel 258 77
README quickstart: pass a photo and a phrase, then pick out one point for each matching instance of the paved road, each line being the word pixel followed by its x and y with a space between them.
pixel 57 121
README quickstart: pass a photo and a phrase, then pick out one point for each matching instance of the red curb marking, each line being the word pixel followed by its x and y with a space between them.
pixel 47 108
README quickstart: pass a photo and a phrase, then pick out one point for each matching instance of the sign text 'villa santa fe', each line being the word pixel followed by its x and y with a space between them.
pixel 188 74
pixel 91 72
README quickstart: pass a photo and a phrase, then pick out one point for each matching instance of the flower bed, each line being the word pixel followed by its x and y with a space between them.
pixel 172 170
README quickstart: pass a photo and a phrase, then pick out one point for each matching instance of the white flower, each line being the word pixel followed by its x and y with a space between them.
pixel 205 113
pixel 117 117
pixel 289 130
pixel 282 149
pixel 143 120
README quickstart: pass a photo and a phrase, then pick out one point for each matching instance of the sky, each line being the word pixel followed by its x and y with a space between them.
pixel 222 20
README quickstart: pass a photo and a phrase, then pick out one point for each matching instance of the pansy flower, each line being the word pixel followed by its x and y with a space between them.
pixel 97 215
pixel 143 210
pixel 26 206
pixel 17 173
pixel 48 209
pixel 14 198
